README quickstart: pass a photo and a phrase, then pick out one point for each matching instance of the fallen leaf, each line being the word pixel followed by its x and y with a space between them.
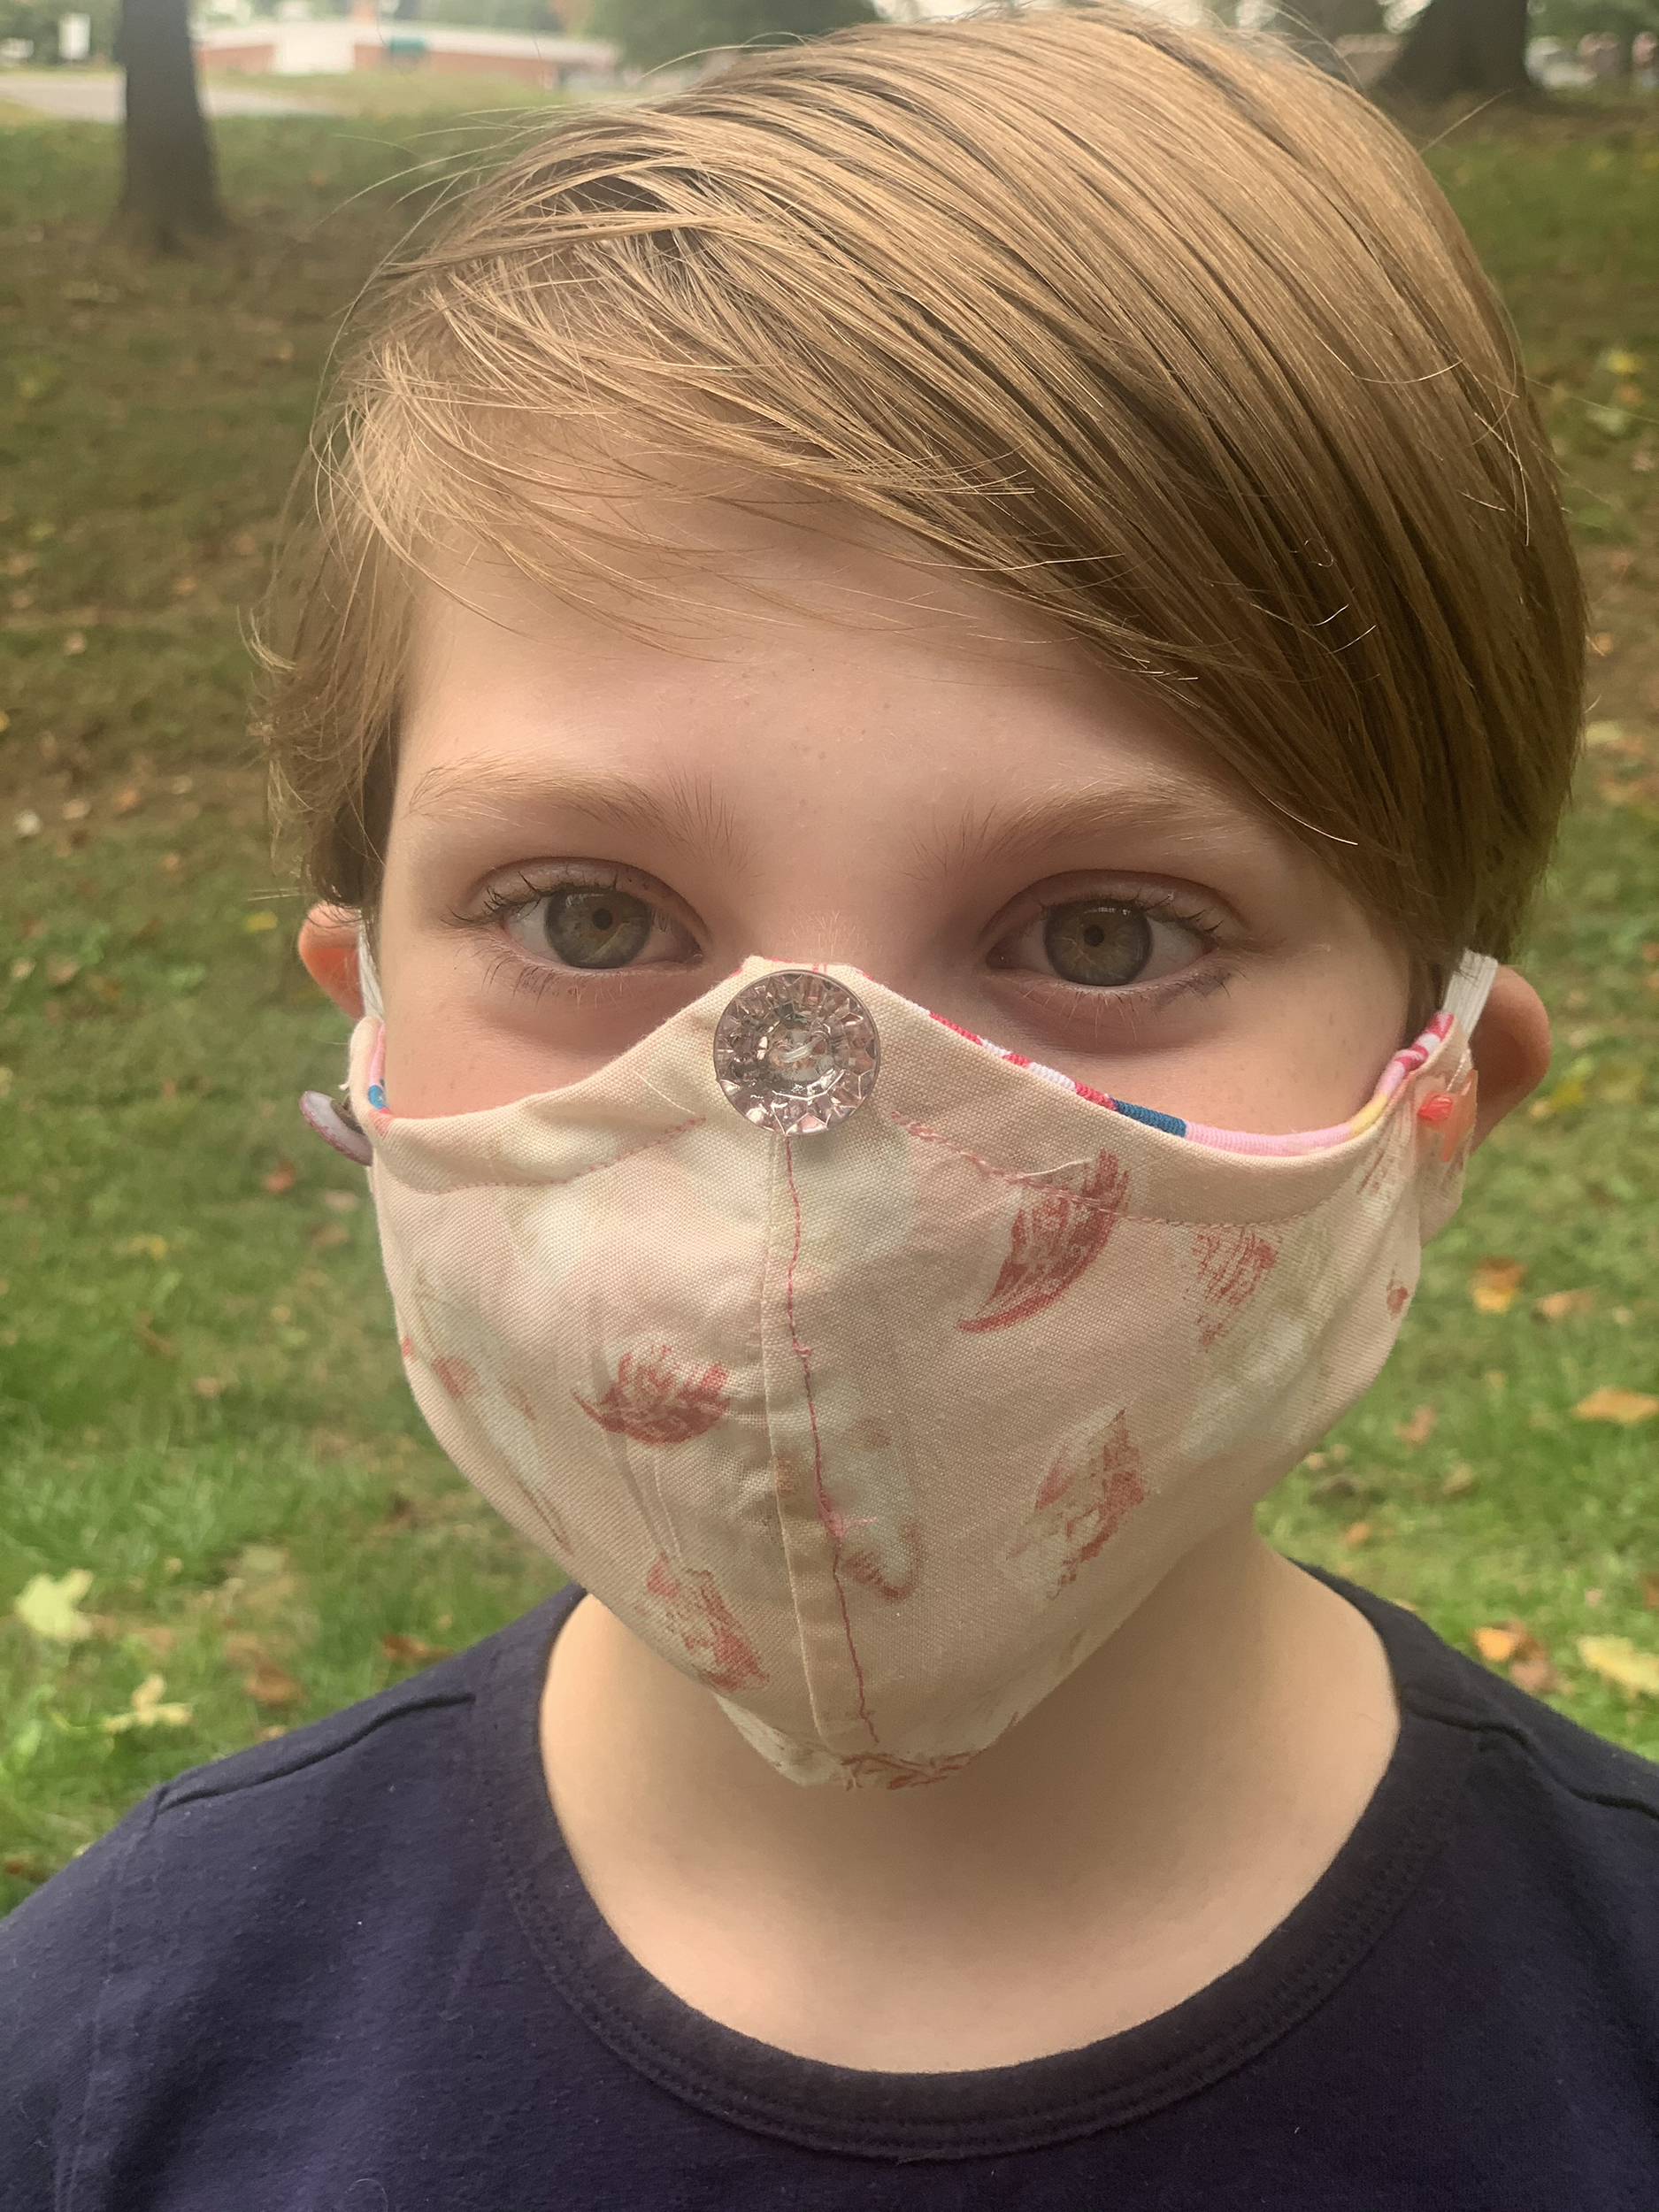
pixel 1360 1533
pixel 1619 363
pixel 76 810
pixel 26 823
pixel 1560 1304
pixel 282 1177
pixel 1626 1407
pixel 1601 641
pixel 152 1341
pixel 207 1386
pixel 143 1248
pixel 1336 1485
pixel 183 586
pixel 269 1685
pixel 1497 1645
pixel 1418 1429
pixel 148 1712
pixel 50 1608
pixel 244 545
pixel 22 969
pixel 75 641
pixel 1616 1660
pixel 182 786
pixel 1593 1597
pixel 341 1201
pixel 1568 1091
pixel 409 1651
pixel 1536 1676
pixel 60 969
pixel 259 925
pixel 1459 1482
pixel 127 800
pixel 328 1234
pixel 25 1866
pixel 1650 1592
pixel 172 863
pixel 1496 1281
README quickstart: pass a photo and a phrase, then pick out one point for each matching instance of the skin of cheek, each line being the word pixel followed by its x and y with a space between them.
pixel 886 735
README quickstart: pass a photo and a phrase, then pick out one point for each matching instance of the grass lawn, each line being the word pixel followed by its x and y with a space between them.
pixel 200 1403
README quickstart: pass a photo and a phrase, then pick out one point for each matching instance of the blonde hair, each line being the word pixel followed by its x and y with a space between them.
pixel 1151 329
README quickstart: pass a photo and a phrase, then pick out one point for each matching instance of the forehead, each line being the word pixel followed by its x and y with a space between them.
pixel 751 654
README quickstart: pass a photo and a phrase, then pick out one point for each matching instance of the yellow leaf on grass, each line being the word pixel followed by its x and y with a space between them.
pixel 1626 1407
pixel 1616 1660
pixel 1561 1303
pixel 147 1710
pixel 1497 1283
pixel 1497 1645
pixel 270 1684
pixel 1418 1429
pixel 256 925
pixel 52 1608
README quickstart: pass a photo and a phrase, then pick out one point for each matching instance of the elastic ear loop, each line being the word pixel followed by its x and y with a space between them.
pixel 369 981
pixel 331 1117
pixel 1470 987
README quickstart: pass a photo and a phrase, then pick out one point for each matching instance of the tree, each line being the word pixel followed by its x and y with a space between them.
pixel 170 195
pixel 652 31
pixel 1462 46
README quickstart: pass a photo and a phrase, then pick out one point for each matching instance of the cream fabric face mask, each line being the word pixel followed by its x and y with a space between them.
pixel 879 1429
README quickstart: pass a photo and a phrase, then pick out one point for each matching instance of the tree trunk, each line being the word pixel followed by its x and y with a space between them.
pixel 1462 46
pixel 169 193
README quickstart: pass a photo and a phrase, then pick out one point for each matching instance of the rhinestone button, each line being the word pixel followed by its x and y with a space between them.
pixel 796 1052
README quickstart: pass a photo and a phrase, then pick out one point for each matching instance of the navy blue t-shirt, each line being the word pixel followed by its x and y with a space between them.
pixel 355 1971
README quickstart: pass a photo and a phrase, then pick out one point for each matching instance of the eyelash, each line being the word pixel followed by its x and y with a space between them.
pixel 1208 924
pixel 498 904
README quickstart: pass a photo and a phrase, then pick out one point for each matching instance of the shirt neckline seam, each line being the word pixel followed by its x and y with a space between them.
pixel 714 2085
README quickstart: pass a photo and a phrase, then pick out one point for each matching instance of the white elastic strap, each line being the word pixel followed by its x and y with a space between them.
pixel 1466 993
pixel 369 983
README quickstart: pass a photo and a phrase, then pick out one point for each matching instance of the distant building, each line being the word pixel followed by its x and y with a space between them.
pixel 336 45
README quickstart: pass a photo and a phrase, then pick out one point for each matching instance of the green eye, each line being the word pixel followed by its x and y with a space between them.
pixel 598 929
pixel 1092 943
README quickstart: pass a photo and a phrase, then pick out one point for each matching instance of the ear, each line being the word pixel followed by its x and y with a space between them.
pixel 329 946
pixel 1511 1049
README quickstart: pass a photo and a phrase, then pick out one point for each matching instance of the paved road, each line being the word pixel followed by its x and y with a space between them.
pixel 77 98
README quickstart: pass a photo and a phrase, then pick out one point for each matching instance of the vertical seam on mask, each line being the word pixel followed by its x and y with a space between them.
pixel 768 1280
pixel 803 1354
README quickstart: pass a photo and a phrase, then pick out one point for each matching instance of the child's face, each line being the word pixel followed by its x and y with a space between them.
pixel 590 830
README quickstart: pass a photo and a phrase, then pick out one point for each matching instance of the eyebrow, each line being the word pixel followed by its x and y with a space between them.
pixel 687 813
pixel 1186 810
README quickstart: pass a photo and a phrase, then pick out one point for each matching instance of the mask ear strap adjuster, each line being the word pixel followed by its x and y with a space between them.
pixel 333 1121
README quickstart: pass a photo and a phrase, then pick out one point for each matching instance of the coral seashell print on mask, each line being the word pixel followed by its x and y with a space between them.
pixel 877 1414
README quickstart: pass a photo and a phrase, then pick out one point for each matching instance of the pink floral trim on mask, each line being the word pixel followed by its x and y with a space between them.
pixel 1405 1063
pixel 1450 1112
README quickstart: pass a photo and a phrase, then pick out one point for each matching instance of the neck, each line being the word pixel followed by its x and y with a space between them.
pixel 1133 1837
